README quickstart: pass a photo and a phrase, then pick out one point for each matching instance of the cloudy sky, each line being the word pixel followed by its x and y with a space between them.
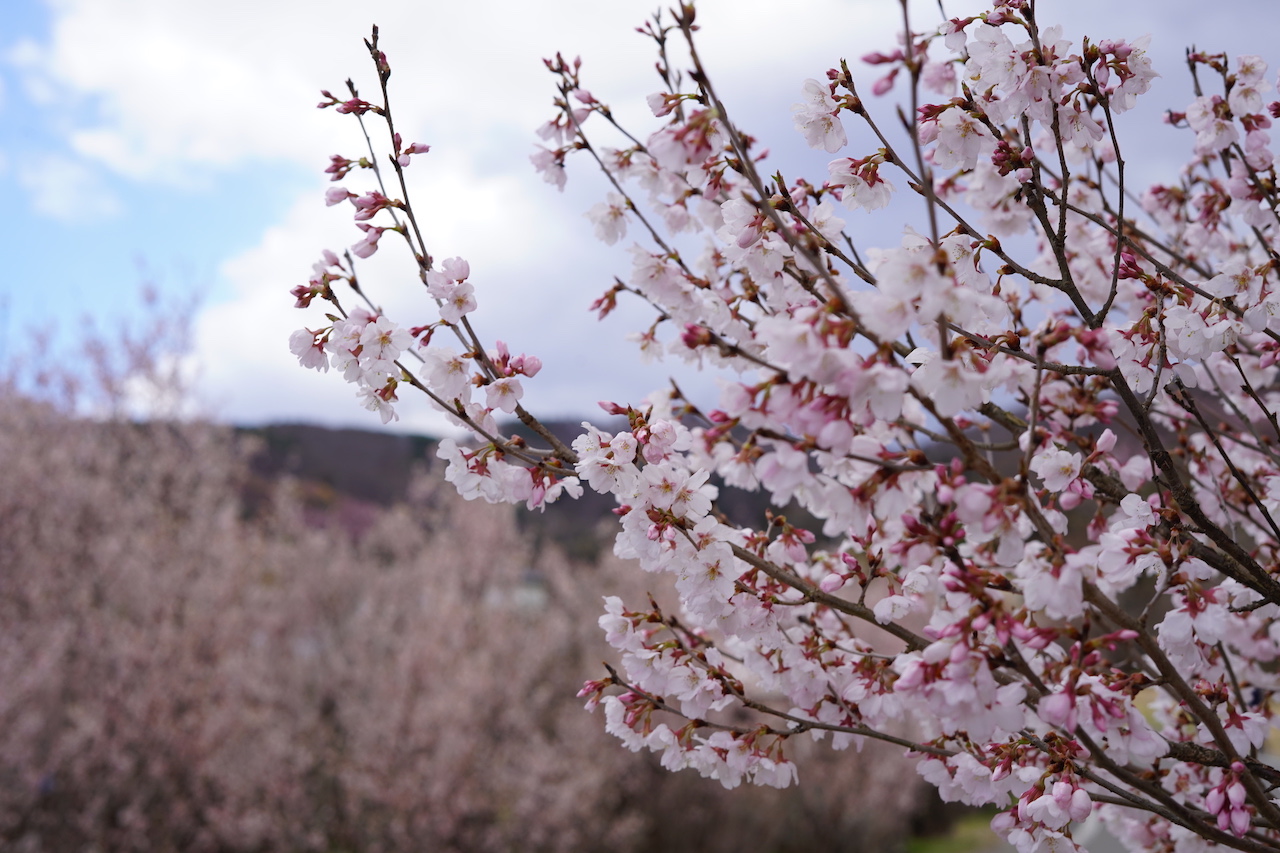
pixel 178 143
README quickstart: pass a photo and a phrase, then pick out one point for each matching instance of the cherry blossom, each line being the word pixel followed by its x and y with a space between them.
pixel 1058 468
pixel 1020 463
pixel 817 117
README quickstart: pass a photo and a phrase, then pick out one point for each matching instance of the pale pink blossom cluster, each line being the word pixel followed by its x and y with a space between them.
pixel 202 655
pixel 1022 465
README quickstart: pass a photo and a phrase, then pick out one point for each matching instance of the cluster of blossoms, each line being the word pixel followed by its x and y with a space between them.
pixel 1029 493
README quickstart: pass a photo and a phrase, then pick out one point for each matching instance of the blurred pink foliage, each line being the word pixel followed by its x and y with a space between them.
pixel 183 669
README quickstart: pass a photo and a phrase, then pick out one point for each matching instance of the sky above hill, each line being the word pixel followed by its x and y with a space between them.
pixel 178 144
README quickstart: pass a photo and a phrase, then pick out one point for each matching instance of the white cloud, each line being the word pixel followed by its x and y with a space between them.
pixel 535 274
pixel 64 189
pixel 25 54
pixel 482 92
pixel 182 90
pixel 182 85
pixel 247 370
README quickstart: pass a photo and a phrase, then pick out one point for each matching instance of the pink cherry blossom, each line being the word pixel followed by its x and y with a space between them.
pixel 1014 467
pixel 1057 468
pixel 817 117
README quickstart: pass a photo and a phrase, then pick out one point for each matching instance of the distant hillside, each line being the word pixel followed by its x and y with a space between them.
pixel 368 466
pixel 346 473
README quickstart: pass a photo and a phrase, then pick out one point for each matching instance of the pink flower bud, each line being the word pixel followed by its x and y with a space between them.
pixel 366 247
pixel 337 195
pixel 1059 709
pixel 1004 822
pixel 661 104
pixel 878 58
pixel 695 336
pixel 1081 805
pixel 885 83
pixel 912 677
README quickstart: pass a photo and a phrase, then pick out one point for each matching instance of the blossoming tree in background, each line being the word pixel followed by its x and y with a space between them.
pixel 1023 465
pixel 201 655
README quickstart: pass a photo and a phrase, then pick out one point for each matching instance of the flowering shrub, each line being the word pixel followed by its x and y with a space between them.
pixel 1037 438
pixel 187 669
